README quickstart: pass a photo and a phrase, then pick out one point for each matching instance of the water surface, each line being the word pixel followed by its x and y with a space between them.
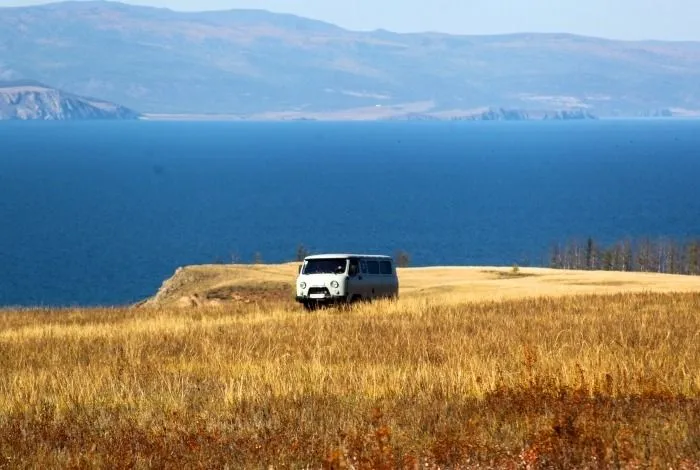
pixel 101 212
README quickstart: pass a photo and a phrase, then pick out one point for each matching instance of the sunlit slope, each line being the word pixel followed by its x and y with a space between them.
pixel 212 284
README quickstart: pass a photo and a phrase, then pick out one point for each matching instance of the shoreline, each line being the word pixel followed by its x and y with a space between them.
pixel 157 117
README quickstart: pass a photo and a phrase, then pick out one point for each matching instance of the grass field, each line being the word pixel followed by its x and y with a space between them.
pixel 504 374
pixel 215 285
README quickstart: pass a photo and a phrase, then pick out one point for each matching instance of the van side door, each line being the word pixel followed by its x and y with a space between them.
pixel 387 278
pixel 374 279
pixel 356 282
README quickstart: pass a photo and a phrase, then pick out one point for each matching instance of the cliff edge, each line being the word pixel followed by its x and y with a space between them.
pixel 28 100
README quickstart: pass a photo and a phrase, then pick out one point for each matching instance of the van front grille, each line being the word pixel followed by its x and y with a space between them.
pixel 319 290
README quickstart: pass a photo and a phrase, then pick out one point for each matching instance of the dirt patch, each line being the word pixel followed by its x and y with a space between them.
pixel 509 274
pixel 604 283
pixel 248 293
pixel 436 290
pixel 238 294
pixel 216 285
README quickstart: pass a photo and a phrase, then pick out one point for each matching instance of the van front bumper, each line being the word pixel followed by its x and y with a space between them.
pixel 333 299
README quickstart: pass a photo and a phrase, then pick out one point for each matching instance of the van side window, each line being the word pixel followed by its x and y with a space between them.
pixel 363 266
pixel 385 267
pixel 354 268
pixel 373 267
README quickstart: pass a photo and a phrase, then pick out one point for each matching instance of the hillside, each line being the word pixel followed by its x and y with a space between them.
pixel 219 285
pixel 254 63
pixel 26 100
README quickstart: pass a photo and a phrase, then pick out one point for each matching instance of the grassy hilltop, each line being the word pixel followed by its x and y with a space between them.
pixel 472 367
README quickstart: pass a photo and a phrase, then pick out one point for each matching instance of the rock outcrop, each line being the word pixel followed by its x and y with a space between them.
pixel 656 113
pixel 26 100
pixel 413 117
pixel 218 285
pixel 571 115
pixel 500 114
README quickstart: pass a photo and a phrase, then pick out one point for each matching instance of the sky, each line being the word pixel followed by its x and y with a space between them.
pixel 615 19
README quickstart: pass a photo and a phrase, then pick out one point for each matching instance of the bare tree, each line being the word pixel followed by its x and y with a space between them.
pixel 590 254
pixel 694 257
pixel 644 255
pixel 647 255
pixel 557 258
pixel 302 252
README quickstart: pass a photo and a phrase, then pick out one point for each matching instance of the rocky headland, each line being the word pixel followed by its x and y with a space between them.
pixel 28 100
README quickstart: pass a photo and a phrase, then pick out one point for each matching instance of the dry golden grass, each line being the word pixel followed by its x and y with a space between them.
pixel 201 285
pixel 582 381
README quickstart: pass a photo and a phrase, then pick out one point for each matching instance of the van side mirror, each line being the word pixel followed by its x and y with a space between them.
pixel 299 269
pixel 353 270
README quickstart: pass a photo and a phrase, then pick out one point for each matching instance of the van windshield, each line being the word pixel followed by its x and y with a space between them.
pixel 326 266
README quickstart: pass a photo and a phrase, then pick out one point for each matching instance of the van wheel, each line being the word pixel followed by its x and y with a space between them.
pixel 355 299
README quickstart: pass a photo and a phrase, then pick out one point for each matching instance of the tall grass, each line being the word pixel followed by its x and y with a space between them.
pixel 590 381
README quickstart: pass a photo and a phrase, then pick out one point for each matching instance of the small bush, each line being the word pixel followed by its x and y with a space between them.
pixel 403 259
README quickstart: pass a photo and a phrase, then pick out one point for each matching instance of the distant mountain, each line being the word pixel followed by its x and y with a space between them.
pixel 29 100
pixel 250 62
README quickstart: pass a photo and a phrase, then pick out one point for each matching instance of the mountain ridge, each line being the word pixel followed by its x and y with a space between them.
pixel 253 62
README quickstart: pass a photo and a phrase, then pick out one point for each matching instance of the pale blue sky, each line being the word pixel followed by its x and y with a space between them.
pixel 620 19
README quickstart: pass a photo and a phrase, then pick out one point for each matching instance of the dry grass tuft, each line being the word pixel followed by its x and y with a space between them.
pixel 587 382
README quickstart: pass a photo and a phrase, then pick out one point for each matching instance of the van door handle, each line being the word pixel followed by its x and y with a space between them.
pixel 359 278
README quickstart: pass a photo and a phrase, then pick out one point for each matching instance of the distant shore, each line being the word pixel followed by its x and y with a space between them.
pixel 282 117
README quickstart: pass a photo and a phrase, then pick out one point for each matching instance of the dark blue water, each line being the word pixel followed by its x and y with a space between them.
pixel 101 213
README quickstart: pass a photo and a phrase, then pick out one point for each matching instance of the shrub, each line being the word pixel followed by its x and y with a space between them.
pixel 403 259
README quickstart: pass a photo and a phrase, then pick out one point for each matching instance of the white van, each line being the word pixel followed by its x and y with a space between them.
pixel 345 278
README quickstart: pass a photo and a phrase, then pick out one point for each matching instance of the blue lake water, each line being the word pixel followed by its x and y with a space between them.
pixel 95 213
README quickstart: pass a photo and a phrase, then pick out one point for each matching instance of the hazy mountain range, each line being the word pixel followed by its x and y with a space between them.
pixel 255 62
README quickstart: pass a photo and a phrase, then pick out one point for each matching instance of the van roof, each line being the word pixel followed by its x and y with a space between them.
pixel 347 255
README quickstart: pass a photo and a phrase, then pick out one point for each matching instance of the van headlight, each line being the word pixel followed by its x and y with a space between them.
pixel 302 285
pixel 335 284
